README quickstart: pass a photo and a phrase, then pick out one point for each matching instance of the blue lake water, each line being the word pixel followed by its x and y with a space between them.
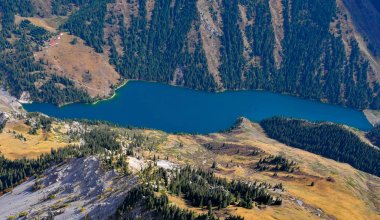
pixel 175 109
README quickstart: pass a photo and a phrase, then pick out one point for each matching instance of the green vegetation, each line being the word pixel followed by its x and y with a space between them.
pixel 74 41
pixel 22 214
pixel 232 50
pixel 96 141
pixel 200 188
pixel 2 125
pixel 88 22
pixel 277 164
pixel 155 53
pixel 64 7
pixel 8 9
pixel 313 62
pixel 37 121
pixel 19 71
pixel 329 140
pixel 159 206
pixel 374 135
pixel 38 34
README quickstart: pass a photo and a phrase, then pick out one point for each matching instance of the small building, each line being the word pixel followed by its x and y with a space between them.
pixel 52 43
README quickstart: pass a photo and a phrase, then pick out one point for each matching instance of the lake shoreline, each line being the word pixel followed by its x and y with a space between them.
pixel 220 91
pixel 373 116
pixel 122 84
pixel 178 109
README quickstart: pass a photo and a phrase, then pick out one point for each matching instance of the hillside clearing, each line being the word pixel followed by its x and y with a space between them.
pixel 12 146
pixel 80 63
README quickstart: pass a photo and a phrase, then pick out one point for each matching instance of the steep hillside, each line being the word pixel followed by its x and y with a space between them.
pixel 364 15
pixel 324 50
pixel 62 192
pixel 317 50
pixel 71 58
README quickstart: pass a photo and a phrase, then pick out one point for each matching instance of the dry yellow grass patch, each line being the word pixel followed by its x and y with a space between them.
pixel 181 203
pixel 80 63
pixel 184 149
pixel 350 196
pixel 48 24
pixel 286 211
pixel 13 148
pixel 353 194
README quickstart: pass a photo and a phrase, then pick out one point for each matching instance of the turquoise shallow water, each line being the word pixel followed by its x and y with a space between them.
pixel 175 109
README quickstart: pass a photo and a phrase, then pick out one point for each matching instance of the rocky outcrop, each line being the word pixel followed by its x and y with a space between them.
pixel 211 30
pixel 278 28
pixel 70 191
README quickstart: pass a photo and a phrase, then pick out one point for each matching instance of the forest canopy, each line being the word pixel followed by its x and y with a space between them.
pixel 328 140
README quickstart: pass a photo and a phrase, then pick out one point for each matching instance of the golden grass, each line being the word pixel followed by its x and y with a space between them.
pixel 14 148
pixel 353 195
pixel 336 199
pixel 80 63
pixel 286 211
pixel 49 25
pixel 181 203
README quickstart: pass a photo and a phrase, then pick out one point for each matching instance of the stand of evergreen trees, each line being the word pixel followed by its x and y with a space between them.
pixel 19 71
pixel 38 34
pixel 156 207
pixel 200 188
pixel 12 172
pixel 277 164
pixel 88 23
pixel 374 135
pixel 314 63
pixel 329 140
pixel 64 7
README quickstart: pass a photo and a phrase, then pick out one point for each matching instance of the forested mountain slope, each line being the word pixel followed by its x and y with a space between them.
pixel 318 49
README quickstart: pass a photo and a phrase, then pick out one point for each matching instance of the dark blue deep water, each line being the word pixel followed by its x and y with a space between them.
pixel 174 109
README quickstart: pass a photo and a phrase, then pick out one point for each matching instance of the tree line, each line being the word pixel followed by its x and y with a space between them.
pixel 314 63
pixel 374 135
pixel 13 172
pixel 328 140
pixel 200 188
pixel 19 71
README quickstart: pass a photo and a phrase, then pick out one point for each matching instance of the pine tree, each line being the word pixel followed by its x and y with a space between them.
pixel 214 165
pixel 209 207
